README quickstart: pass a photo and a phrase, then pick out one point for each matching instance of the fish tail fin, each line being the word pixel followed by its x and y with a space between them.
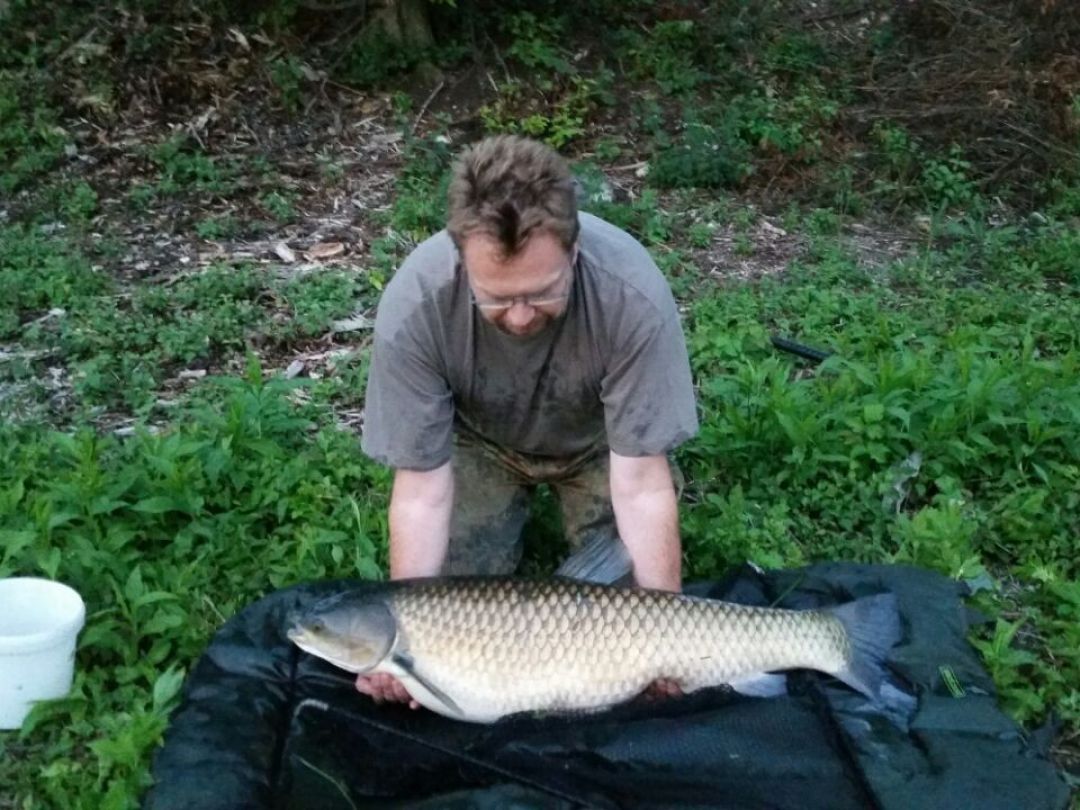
pixel 872 625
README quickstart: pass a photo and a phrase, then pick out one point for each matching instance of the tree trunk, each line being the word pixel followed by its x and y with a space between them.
pixel 403 22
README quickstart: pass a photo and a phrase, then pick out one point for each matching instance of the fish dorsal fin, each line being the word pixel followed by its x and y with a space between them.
pixel 602 558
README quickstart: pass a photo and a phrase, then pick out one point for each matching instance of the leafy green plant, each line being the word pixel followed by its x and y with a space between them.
pixel 183 168
pixel 165 536
pixel 420 206
pixel 373 60
pixel 558 122
pixel 221 227
pixel 318 299
pixel 31 139
pixel 642 217
pixel 79 203
pixel 670 53
pixel 706 157
pixel 39 273
pixel 124 346
pixel 945 181
pixel 287 75
pixel 279 204
pixel 535 42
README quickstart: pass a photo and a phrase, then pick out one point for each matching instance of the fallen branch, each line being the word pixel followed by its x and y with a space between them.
pixel 426 104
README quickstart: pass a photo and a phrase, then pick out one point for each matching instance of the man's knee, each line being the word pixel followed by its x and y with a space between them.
pixel 486 546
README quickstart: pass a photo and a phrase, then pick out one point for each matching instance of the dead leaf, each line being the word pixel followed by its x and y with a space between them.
pixel 285 253
pixel 240 38
pixel 294 369
pixel 769 228
pixel 199 123
pixel 353 323
pixel 326 250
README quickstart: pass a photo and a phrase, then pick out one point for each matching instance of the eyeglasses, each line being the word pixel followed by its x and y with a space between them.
pixel 541 300
pixel 529 301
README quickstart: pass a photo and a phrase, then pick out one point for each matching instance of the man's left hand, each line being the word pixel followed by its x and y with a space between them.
pixel 661 689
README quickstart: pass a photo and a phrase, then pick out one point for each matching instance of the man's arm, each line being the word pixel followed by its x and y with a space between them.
pixel 646 514
pixel 420 507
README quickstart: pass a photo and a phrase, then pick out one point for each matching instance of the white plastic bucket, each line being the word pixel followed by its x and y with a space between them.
pixel 39 623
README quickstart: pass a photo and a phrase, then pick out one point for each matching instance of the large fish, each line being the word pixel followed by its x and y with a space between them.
pixel 480 649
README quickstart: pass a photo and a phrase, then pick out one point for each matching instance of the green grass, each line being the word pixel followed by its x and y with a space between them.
pixel 165 536
pixel 120 346
pixel 31 139
pixel 945 355
pixel 942 432
pixel 249 489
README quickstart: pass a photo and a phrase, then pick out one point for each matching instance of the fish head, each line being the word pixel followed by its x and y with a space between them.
pixel 353 632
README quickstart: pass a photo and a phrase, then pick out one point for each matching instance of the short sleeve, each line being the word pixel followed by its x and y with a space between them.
pixel 409 408
pixel 647 388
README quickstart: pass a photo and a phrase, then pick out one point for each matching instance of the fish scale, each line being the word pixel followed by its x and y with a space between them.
pixel 482 648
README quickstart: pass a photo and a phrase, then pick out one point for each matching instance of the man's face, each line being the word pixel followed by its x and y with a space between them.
pixel 524 293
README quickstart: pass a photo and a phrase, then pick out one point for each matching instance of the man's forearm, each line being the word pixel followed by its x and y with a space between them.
pixel 419 517
pixel 646 515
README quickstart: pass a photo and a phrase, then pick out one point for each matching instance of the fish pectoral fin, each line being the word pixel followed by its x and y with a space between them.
pixel 408 666
pixel 760 684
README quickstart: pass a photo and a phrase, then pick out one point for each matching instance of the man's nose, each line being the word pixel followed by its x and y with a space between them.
pixel 519 315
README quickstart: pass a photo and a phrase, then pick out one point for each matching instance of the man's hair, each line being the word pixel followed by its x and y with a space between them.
pixel 509 187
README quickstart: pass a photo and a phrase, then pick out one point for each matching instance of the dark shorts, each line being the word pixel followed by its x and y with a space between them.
pixel 492 490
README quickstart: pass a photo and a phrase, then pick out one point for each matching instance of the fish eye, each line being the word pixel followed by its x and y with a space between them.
pixel 318 626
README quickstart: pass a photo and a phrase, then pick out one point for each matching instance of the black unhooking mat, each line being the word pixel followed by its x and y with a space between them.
pixel 262 725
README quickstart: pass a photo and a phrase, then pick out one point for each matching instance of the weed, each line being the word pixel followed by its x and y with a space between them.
pixel 706 156
pixel 420 207
pixel 372 60
pixel 534 42
pixel 318 299
pixel 608 149
pixel 123 347
pixel 221 227
pixel 37 274
pixel 287 75
pixel 823 222
pixel 642 217
pixel 558 122
pixel 183 168
pixel 330 169
pixel 946 181
pixel 700 234
pixel 31 140
pixel 165 535
pixel 79 203
pixel 669 54
pixel 279 205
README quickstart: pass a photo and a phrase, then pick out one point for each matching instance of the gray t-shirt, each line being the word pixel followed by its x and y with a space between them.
pixel 611 371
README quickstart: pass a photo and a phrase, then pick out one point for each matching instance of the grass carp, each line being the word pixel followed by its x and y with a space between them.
pixel 482 648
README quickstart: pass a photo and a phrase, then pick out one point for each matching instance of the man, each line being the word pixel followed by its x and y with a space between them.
pixel 528 342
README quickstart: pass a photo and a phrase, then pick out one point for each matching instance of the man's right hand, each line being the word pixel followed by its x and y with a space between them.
pixel 383 687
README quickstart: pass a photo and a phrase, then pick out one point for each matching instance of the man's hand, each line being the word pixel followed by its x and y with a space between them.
pixel 385 688
pixel 660 689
